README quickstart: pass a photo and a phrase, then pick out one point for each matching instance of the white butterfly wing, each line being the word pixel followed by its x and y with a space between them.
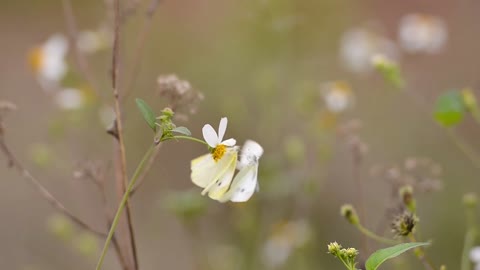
pixel 243 185
pixel 205 170
pixel 220 187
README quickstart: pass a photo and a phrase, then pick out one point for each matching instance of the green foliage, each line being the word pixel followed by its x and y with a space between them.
pixel 380 256
pixel 389 70
pixel 147 113
pixel 450 109
pixel 182 130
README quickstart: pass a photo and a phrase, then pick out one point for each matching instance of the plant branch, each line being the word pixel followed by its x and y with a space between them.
pixel 185 138
pixel 420 254
pixel 140 47
pixel 123 204
pixel 470 237
pixel 13 162
pixel 80 58
pixel 375 237
pixel 99 182
pixel 466 149
pixel 122 179
pixel 146 170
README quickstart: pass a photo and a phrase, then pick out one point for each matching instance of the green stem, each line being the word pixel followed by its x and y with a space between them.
pixel 464 147
pixel 375 237
pixel 122 205
pixel 470 237
pixel 476 114
pixel 420 254
pixel 185 138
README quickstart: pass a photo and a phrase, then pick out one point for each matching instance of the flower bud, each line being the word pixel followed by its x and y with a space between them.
pixel 470 200
pixel 352 253
pixel 334 248
pixel 406 195
pixel 469 99
pixel 348 212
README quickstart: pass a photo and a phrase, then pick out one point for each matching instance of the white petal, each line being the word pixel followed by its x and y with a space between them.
pixel 222 128
pixel 229 142
pixel 475 254
pixel 57 44
pixel 210 135
pixel 70 99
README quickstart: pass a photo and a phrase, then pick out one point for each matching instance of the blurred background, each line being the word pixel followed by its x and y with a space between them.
pixel 295 76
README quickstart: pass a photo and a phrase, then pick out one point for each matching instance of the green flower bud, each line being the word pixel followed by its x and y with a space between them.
pixel 406 195
pixel 469 99
pixel 86 244
pixel 470 200
pixel 348 212
pixel 334 248
pixel 352 253
pixel 60 226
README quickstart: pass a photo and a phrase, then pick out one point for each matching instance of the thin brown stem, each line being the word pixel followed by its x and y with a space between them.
pixel 148 166
pixel 80 59
pixel 122 179
pixel 43 191
pixel 140 47
pixel 99 181
pixel 420 253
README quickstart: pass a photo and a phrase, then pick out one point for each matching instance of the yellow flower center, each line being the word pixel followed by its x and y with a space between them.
pixel 218 152
pixel 36 58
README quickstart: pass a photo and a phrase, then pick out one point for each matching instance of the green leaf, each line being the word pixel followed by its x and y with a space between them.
pixel 450 108
pixel 182 130
pixel 147 113
pixel 381 255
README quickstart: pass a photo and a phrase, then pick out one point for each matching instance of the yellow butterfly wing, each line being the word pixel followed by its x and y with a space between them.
pixel 221 186
pixel 205 170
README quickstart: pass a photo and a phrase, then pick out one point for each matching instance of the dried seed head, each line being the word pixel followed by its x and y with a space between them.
pixel 404 224
pixel 179 94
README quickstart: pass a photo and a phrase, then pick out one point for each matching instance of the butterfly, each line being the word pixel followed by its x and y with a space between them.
pixel 245 183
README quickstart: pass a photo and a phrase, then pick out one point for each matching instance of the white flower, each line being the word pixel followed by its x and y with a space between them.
pixel 422 33
pixel 475 255
pixel 337 96
pixel 245 182
pixel 48 60
pixel 214 171
pixel 70 99
pixel 358 46
pixel 106 115
pixel 91 41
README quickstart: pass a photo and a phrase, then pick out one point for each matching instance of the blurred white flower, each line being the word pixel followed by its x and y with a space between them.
pixel 422 33
pixel 48 60
pixel 337 95
pixel 91 41
pixel 475 255
pixel 359 45
pixel 70 99
pixel 284 239
pixel 107 116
